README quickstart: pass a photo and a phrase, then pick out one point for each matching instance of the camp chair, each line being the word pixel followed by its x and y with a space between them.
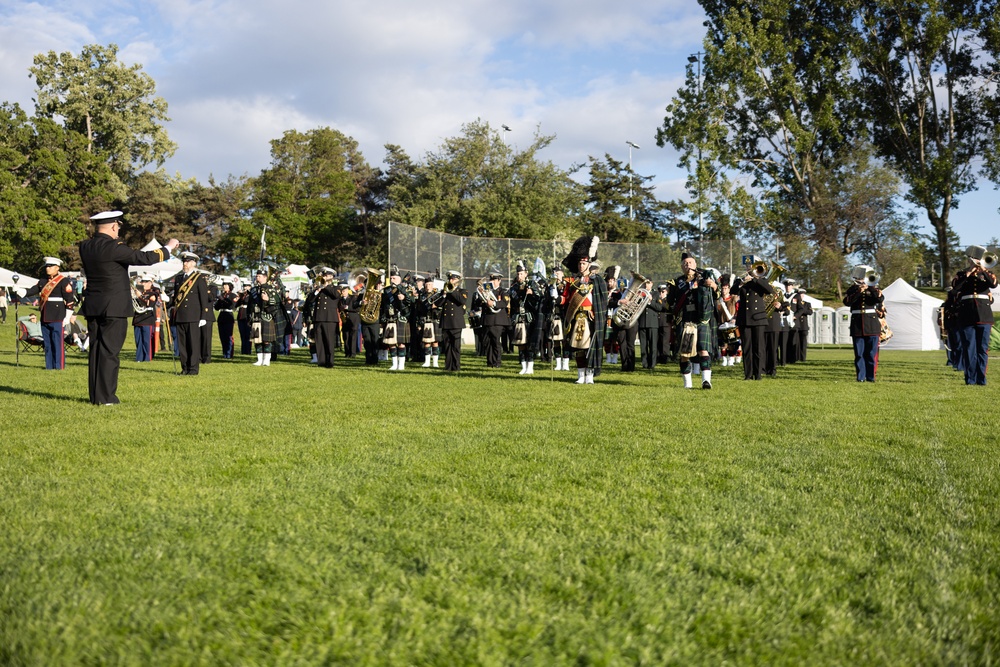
pixel 27 343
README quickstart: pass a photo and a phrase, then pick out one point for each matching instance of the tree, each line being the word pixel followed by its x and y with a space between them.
pixel 613 194
pixel 775 102
pixel 929 96
pixel 49 184
pixel 112 105
pixel 307 198
pixel 476 185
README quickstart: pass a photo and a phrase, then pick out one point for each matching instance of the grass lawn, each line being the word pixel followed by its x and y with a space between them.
pixel 296 515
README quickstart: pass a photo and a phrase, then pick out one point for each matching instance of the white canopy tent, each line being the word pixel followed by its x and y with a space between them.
pixel 295 279
pixel 23 281
pixel 161 270
pixel 912 316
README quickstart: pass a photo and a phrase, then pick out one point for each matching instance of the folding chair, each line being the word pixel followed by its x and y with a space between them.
pixel 27 343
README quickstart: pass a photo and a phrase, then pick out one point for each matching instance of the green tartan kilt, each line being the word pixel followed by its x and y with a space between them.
pixel 264 331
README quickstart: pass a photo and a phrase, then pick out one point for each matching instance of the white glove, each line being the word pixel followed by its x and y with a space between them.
pixel 201 323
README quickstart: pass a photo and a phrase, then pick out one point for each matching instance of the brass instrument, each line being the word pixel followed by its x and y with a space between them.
pixel 774 273
pixel 989 260
pixel 486 294
pixel 371 301
pixel 632 303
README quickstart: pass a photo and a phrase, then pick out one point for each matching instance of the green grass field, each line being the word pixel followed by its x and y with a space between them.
pixel 296 515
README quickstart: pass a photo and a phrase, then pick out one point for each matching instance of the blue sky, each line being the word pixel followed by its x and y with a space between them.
pixel 238 73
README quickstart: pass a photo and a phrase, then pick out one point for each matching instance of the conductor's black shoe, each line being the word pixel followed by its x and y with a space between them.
pixel 706 385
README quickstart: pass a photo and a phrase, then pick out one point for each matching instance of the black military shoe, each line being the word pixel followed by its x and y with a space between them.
pixel 706 385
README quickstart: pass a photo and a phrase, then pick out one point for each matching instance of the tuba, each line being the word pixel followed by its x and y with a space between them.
pixel 632 303
pixel 371 301
pixel 774 273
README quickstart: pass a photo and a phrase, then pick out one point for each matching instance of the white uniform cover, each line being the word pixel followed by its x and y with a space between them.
pixel 912 316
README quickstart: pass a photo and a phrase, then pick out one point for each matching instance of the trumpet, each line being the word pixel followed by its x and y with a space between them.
pixel 989 260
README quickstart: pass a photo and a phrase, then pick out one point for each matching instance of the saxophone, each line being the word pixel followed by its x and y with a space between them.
pixel 632 303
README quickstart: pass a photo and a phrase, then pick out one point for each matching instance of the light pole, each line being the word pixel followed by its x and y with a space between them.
pixel 631 210
pixel 506 129
pixel 17 302
pixel 696 58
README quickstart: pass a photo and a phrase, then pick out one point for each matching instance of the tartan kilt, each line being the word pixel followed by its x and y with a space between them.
pixel 402 332
pixel 438 334
pixel 705 342
pixel 268 331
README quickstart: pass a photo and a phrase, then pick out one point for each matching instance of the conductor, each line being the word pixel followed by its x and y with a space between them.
pixel 107 302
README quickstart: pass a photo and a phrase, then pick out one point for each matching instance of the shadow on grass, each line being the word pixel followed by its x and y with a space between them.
pixel 5 389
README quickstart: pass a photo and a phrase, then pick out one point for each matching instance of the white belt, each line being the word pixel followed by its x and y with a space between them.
pixel 975 296
pixel 53 299
pixel 225 310
pixel 864 311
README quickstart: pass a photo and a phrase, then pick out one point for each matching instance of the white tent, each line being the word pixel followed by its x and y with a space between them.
pixel 295 279
pixel 161 270
pixel 912 316
pixel 23 281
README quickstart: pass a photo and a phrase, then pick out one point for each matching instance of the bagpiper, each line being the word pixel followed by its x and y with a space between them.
pixel 585 303
pixel 263 304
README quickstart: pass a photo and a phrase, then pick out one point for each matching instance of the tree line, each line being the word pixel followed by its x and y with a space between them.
pixel 802 122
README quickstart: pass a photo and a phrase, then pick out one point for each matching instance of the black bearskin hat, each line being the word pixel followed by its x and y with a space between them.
pixel 584 247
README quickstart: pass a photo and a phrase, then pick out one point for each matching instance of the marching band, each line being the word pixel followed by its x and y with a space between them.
pixel 699 318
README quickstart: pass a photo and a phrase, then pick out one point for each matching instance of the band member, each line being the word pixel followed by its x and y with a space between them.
pixel 665 317
pixel 725 312
pixel 975 317
pixel 585 299
pixel 625 337
pixel 55 292
pixel 751 318
pixel 772 335
pixel 144 320
pixel 495 318
pixel 206 328
pixel 226 306
pixel 612 342
pixel 865 301
pixel 787 352
pixel 243 320
pixel 949 322
pixel 453 309
pixel 327 305
pixel 693 304
pixel 426 313
pixel 556 329
pixel 802 310
pixel 525 307
pixel 191 306
pixel 263 304
pixel 350 322
pixel 649 326
pixel 396 305
pixel 369 330
pixel 107 302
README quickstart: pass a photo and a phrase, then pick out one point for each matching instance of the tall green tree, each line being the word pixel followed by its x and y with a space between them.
pixel 112 105
pixel 307 198
pixel 476 185
pixel 928 82
pixel 620 204
pixel 774 98
pixel 49 184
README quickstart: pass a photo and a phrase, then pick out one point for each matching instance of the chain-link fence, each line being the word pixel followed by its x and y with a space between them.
pixel 424 251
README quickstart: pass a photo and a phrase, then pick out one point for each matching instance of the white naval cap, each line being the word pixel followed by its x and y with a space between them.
pixel 105 217
pixel 52 261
